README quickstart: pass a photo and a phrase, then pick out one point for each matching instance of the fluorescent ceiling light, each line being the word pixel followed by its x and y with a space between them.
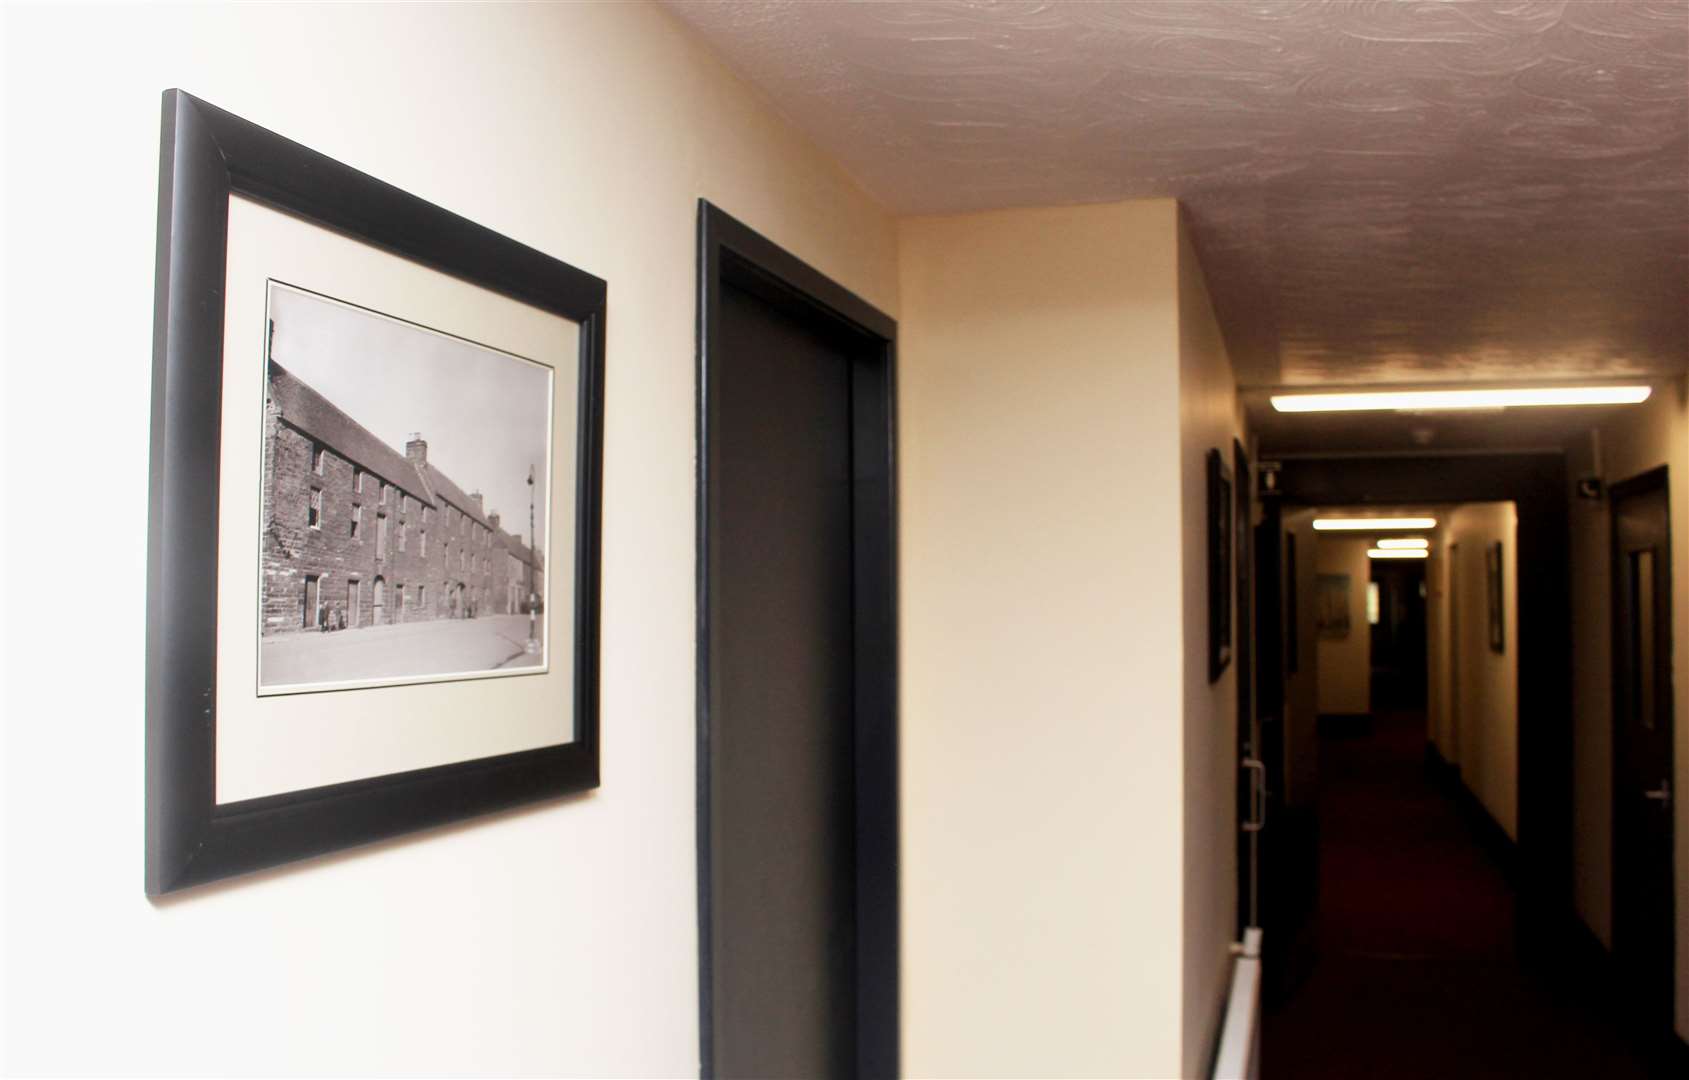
pixel 1397 553
pixel 1405 543
pixel 1430 400
pixel 1373 524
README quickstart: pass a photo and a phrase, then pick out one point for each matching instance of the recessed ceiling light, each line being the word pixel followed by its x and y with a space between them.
pixel 1424 400
pixel 1396 553
pixel 1405 543
pixel 1375 524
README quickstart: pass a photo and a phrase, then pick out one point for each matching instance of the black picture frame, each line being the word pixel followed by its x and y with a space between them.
pixel 206 156
pixel 1220 543
pixel 1495 589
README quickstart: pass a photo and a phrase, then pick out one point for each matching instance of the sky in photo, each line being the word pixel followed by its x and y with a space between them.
pixel 484 413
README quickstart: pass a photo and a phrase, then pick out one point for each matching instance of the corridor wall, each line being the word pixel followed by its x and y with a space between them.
pixel 1067 827
pixel 1486 744
pixel 1210 415
pixel 1345 663
pixel 1641 439
pixel 557 940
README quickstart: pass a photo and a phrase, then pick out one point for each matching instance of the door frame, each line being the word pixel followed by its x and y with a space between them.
pixel 1656 479
pixel 1456 673
pixel 732 254
pixel 1247 737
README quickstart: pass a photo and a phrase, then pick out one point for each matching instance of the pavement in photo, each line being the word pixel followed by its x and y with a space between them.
pixel 432 647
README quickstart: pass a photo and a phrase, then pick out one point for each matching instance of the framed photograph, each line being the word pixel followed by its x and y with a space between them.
pixel 373 543
pixel 1331 611
pixel 1219 565
pixel 1498 612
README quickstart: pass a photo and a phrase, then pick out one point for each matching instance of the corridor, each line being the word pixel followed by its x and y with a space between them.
pixel 1415 972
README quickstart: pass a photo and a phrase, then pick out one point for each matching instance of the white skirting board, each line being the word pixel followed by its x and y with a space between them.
pixel 1239 1056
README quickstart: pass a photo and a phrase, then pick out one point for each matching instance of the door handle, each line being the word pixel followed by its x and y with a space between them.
pixel 1257 795
pixel 1661 794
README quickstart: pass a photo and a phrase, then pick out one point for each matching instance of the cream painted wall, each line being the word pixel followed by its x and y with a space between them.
pixel 1345 664
pixel 1487 743
pixel 1209 418
pixel 559 940
pixel 1592 657
pixel 1644 438
pixel 1045 606
pixel 1439 668
pixel 1038 387
pixel 1301 706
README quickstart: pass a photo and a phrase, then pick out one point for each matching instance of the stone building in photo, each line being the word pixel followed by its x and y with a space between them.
pixel 357 534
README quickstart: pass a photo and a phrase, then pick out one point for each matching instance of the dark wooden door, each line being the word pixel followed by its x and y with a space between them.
pixel 783 790
pixel 1643 908
pixel 1259 854
pixel 1287 854
pixel 1398 640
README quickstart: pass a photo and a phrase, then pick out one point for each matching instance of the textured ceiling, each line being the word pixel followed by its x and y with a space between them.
pixel 1380 190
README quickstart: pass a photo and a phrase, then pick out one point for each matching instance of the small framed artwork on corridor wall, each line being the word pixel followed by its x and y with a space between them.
pixel 1495 590
pixel 374 513
pixel 1219 565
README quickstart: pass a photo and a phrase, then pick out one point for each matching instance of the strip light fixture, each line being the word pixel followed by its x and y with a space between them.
pixel 1397 553
pixel 1374 524
pixel 1404 543
pixel 1433 400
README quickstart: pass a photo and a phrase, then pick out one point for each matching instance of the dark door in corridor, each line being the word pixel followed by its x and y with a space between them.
pixel 797 751
pixel 784 799
pixel 1643 917
pixel 1252 781
pixel 1398 638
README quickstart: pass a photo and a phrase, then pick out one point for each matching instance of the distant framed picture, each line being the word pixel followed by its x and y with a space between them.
pixel 373 544
pixel 1220 549
pixel 1493 581
pixel 1331 606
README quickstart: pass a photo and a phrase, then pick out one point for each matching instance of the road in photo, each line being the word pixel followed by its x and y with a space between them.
pixel 398 651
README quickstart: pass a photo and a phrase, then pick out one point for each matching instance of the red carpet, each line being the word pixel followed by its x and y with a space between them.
pixel 1415 972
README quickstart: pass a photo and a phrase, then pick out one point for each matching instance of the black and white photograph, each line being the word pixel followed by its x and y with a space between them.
pixel 404 502
pixel 1494 591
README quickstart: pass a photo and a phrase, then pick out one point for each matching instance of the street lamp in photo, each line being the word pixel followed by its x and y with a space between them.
pixel 533 645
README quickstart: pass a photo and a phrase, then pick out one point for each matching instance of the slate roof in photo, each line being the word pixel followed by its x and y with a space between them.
pixel 310 412
pixel 517 548
pixel 444 490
